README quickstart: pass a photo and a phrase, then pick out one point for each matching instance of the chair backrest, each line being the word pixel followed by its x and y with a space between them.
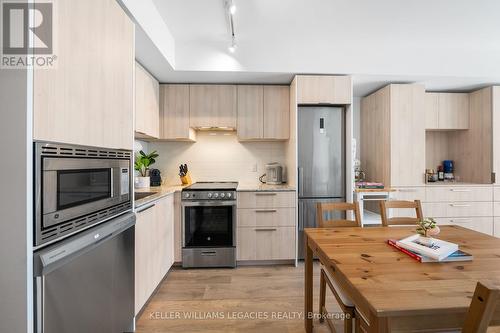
pixel 395 204
pixel 481 309
pixel 322 208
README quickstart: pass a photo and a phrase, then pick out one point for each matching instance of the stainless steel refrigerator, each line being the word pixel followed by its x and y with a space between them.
pixel 321 162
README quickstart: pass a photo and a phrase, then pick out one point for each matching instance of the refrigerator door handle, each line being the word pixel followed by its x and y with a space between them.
pixel 301 181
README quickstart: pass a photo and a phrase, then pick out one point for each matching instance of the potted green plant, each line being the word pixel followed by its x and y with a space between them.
pixel 142 163
pixel 427 228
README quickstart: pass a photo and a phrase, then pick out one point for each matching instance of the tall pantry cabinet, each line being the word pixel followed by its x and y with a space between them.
pixel 393 135
pixel 88 97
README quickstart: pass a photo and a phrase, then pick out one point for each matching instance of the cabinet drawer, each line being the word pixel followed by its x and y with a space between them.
pixel 266 243
pixel 496 208
pixel 457 209
pixel 496 227
pixel 481 224
pixel 266 199
pixel 458 193
pixel 496 193
pixel 409 193
pixel 268 217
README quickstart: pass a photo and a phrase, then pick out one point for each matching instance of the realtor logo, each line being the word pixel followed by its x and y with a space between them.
pixel 27 34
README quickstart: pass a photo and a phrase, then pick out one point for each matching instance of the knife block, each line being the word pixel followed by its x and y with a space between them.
pixel 186 180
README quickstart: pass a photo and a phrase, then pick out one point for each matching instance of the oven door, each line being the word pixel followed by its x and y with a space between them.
pixel 209 224
pixel 73 187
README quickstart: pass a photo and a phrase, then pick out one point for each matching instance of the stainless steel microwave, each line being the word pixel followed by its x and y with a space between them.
pixel 77 187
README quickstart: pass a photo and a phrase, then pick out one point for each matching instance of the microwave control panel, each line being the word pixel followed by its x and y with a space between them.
pixel 125 181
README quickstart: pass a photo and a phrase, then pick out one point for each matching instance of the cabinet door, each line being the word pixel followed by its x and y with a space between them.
pixel 212 105
pixel 431 110
pixel 453 111
pixel 144 264
pixel 177 227
pixel 250 112
pixel 407 126
pixel 88 98
pixel 147 107
pixel 165 235
pixel 317 89
pixel 174 113
pixel 276 112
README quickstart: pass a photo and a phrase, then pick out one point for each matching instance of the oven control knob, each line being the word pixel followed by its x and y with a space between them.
pixel 209 195
pixel 222 195
pixel 228 195
pixel 216 195
pixel 187 195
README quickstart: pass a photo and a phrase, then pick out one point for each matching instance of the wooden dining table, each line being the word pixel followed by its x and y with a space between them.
pixel 393 292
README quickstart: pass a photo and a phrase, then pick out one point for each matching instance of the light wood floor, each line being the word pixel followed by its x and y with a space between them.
pixel 237 293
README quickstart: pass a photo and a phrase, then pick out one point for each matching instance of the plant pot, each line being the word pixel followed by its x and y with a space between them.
pixel 142 182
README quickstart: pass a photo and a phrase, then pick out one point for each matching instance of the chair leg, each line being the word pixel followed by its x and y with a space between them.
pixel 348 322
pixel 322 295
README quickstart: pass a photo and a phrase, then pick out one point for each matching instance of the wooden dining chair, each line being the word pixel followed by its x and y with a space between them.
pixel 481 309
pixel 345 303
pixel 398 204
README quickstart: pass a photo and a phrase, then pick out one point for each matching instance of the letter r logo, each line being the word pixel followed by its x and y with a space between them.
pixel 24 22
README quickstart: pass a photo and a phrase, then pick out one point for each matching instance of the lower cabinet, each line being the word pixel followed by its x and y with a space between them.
pixel 154 247
pixel 481 224
pixel 266 243
pixel 266 226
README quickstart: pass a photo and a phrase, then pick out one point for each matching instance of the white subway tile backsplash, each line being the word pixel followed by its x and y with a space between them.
pixel 217 158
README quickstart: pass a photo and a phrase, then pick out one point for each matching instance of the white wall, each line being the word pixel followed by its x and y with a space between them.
pixel 16 189
pixel 218 157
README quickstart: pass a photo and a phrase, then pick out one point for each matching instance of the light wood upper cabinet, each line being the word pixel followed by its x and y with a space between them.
pixel 212 105
pixel 263 112
pixel 174 113
pixel 147 104
pixel 453 111
pixel 328 89
pixel 393 140
pixel 277 112
pixel 250 112
pixel 88 98
pixel 431 110
pixel 446 111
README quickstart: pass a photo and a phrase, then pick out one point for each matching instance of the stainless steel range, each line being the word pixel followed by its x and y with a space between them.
pixel 209 225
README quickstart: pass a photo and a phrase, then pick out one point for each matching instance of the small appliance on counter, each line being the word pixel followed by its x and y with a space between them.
pixel 155 177
pixel 274 174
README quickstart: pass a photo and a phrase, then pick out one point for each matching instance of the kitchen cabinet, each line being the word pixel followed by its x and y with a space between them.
pixel 266 226
pixel 453 111
pixel 495 110
pixel 174 113
pixel 324 89
pixel 250 112
pixel 212 105
pixel 154 247
pixel 177 227
pixel 266 243
pixel 393 140
pixel 446 111
pixel 263 112
pixel 147 104
pixel 88 97
pixel 431 110
pixel 480 224
pixel 458 193
pixel 276 112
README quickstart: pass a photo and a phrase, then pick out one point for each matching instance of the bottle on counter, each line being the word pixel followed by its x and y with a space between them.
pixel 440 173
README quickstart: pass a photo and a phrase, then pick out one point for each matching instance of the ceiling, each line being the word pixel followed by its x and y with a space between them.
pixel 448 45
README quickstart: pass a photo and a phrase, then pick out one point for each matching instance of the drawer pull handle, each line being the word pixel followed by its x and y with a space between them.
pixel 456 190
pixel 407 190
pixel 142 209
pixel 459 205
pixel 267 229
pixel 265 210
pixel 209 253
pixel 265 193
